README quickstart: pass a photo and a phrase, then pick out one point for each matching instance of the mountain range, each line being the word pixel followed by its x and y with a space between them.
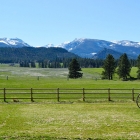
pixel 86 48
pixel 93 48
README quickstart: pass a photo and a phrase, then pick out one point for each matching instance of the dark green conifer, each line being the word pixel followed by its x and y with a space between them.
pixel 74 69
pixel 124 67
pixel 109 67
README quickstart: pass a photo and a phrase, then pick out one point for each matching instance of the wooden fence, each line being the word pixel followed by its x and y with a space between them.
pixel 58 94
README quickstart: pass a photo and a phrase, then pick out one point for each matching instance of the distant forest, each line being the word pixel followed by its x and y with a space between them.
pixel 64 63
pixel 47 58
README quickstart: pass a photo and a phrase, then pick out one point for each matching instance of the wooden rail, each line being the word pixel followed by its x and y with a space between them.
pixel 58 94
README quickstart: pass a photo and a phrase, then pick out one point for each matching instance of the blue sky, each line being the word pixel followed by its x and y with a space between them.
pixel 40 22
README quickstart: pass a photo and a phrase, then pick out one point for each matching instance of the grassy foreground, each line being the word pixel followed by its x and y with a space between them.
pixel 79 121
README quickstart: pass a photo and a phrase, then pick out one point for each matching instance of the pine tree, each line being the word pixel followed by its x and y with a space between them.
pixel 74 69
pixel 124 67
pixel 109 67
pixel 33 64
pixel 138 66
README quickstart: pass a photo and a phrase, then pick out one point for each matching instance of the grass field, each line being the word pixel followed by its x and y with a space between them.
pixel 80 121
pixel 66 120
pixel 15 77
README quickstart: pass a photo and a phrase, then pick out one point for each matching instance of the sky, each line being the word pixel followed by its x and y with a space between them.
pixel 42 22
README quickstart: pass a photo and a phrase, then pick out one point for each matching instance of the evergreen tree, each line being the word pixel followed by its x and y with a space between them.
pixel 138 66
pixel 21 64
pixel 27 64
pixel 33 64
pixel 124 67
pixel 74 69
pixel 109 67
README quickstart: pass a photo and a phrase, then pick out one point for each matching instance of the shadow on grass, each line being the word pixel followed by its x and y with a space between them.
pixel 69 102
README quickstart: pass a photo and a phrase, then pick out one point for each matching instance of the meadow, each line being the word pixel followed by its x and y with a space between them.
pixel 66 120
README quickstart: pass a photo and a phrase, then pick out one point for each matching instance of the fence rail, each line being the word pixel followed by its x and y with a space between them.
pixel 59 94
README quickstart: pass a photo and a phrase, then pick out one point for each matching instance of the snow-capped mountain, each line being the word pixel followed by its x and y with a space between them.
pixel 12 42
pixel 86 47
pixel 90 47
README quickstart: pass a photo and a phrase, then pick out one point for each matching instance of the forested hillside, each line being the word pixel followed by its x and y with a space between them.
pixel 46 57
pixel 16 55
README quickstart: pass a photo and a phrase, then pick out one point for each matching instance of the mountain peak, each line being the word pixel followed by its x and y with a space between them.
pixel 12 42
pixel 80 39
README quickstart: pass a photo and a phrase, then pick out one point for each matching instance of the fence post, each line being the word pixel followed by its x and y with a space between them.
pixel 58 95
pixel 133 98
pixel 38 78
pixel 32 95
pixel 109 98
pixel 4 94
pixel 83 95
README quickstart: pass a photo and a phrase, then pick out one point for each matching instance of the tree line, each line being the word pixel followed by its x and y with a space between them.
pixel 122 68
pixel 62 63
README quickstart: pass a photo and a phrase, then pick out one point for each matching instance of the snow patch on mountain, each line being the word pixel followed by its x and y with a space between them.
pixel 127 43
pixel 62 45
pixel 48 45
pixel 70 49
pixel 93 54
pixel 4 42
pixel 80 40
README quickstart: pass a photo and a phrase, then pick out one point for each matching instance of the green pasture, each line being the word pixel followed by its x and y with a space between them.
pixel 71 120
pixel 78 121
pixel 47 78
pixel 16 77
